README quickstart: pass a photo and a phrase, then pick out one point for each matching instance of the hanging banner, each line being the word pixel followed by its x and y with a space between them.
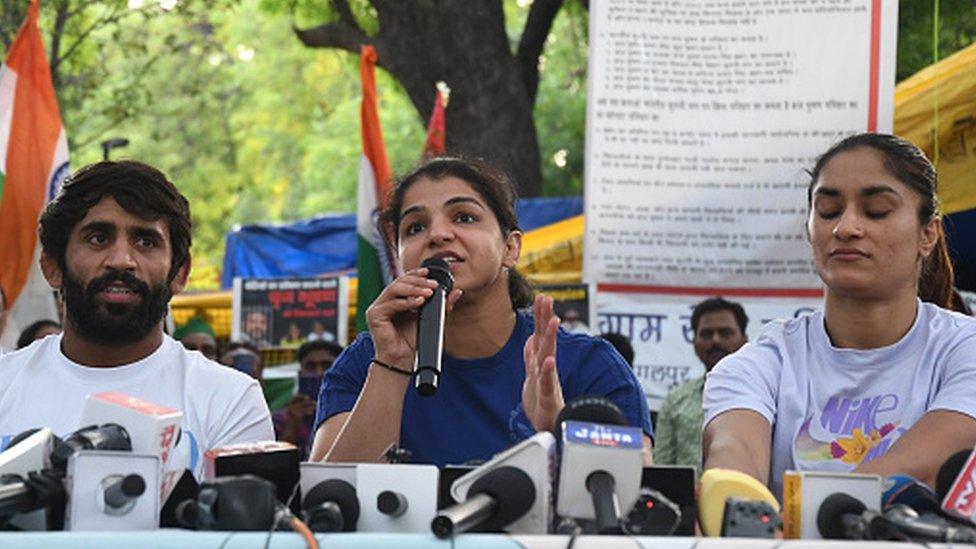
pixel 701 119
pixel 286 312
pixel 659 328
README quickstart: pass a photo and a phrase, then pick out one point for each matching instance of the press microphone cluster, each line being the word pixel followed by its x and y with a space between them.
pixel 93 482
pixel 733 504
pixel 511 492
pixel 430 328
pixel 956 486
pixel 841 516
pixel 600 466
pixel 369 497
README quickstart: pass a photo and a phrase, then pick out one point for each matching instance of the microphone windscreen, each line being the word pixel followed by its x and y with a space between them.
pixel 716 486
pixel 339 492
pixel 830 516
pixel 591 409
pixel 512 489
pixel 949 471
pixel 439 270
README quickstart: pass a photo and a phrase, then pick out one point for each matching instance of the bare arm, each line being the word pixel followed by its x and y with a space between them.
pixel 648 451
pixel 922 450
pixel 371 427
pixel 373 424
pixel 740 440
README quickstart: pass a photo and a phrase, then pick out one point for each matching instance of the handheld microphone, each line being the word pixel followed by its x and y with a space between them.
pixel 602 459
pixel 330 502
pixel 929 527
pixel 494 501
pixel 805 491
pixel 276 462
pixel 35 491
pixel 29 451
pixel 112 491
pixel 119 493
pixel 490 507
pixel 956 485
pixel 332 506
pixel 244 503
pixel 152 428
pixel 396 497
pixel 717 486
pixel 430 328
pixel 88 488
pixel 110 436
pixel 842 516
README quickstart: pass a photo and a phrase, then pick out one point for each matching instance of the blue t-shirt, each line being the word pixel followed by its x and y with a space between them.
pixel 477 409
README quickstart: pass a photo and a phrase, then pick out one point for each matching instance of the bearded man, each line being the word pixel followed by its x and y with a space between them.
pixel 116 245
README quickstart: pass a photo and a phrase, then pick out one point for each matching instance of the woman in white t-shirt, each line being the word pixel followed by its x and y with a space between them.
pixel 883 380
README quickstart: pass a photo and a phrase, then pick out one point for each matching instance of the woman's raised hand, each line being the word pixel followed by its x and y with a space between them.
pixel 542 394
pixel 392 317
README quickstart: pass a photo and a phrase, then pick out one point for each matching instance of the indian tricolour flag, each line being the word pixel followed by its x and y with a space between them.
pixel 373 252
pixel 33 163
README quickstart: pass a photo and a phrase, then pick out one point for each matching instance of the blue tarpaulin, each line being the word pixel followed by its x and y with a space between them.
pixel 960 230
pixel 328 243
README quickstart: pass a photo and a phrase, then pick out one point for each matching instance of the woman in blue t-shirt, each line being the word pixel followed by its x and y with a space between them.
pixel 505 373
pixel 882 380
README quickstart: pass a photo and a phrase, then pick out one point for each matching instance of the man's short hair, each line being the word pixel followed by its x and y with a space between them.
pixel 714 304
pixel 317 345
pixel 140 189
pixel 622 344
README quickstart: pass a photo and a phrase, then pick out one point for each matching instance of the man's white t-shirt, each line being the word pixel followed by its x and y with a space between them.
pixel 832 409
pixel 40 387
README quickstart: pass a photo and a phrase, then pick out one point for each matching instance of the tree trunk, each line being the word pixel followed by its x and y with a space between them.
pixel 464 44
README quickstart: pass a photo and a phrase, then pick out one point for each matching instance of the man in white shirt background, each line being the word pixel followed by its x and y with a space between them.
pixel 116 245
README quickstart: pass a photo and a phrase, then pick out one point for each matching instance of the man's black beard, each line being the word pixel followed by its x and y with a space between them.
pixel 114 323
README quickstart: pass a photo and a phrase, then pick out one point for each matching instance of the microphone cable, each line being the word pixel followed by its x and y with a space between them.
pixel 296 524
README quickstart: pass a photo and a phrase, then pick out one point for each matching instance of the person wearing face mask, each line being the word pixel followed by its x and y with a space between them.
pixel 881 381
pixel 506 373
pixel 719 329
pixel 116 243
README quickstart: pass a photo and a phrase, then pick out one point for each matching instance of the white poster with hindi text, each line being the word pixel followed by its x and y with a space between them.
pixel 659 328
pixel 702 117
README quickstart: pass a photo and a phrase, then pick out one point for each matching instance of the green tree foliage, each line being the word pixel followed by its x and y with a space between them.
pixel 254 127
pixel 956 30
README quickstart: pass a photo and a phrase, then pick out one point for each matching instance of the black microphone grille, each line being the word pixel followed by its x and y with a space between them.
pixel 832 509
pixel 514 491
pixel 949 471
pixel 342 494
pixel 592 409
pixel 439 270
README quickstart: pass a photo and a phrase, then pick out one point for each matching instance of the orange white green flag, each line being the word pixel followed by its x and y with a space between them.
pixel 33 163
pixel 435 145
pixel 373 253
